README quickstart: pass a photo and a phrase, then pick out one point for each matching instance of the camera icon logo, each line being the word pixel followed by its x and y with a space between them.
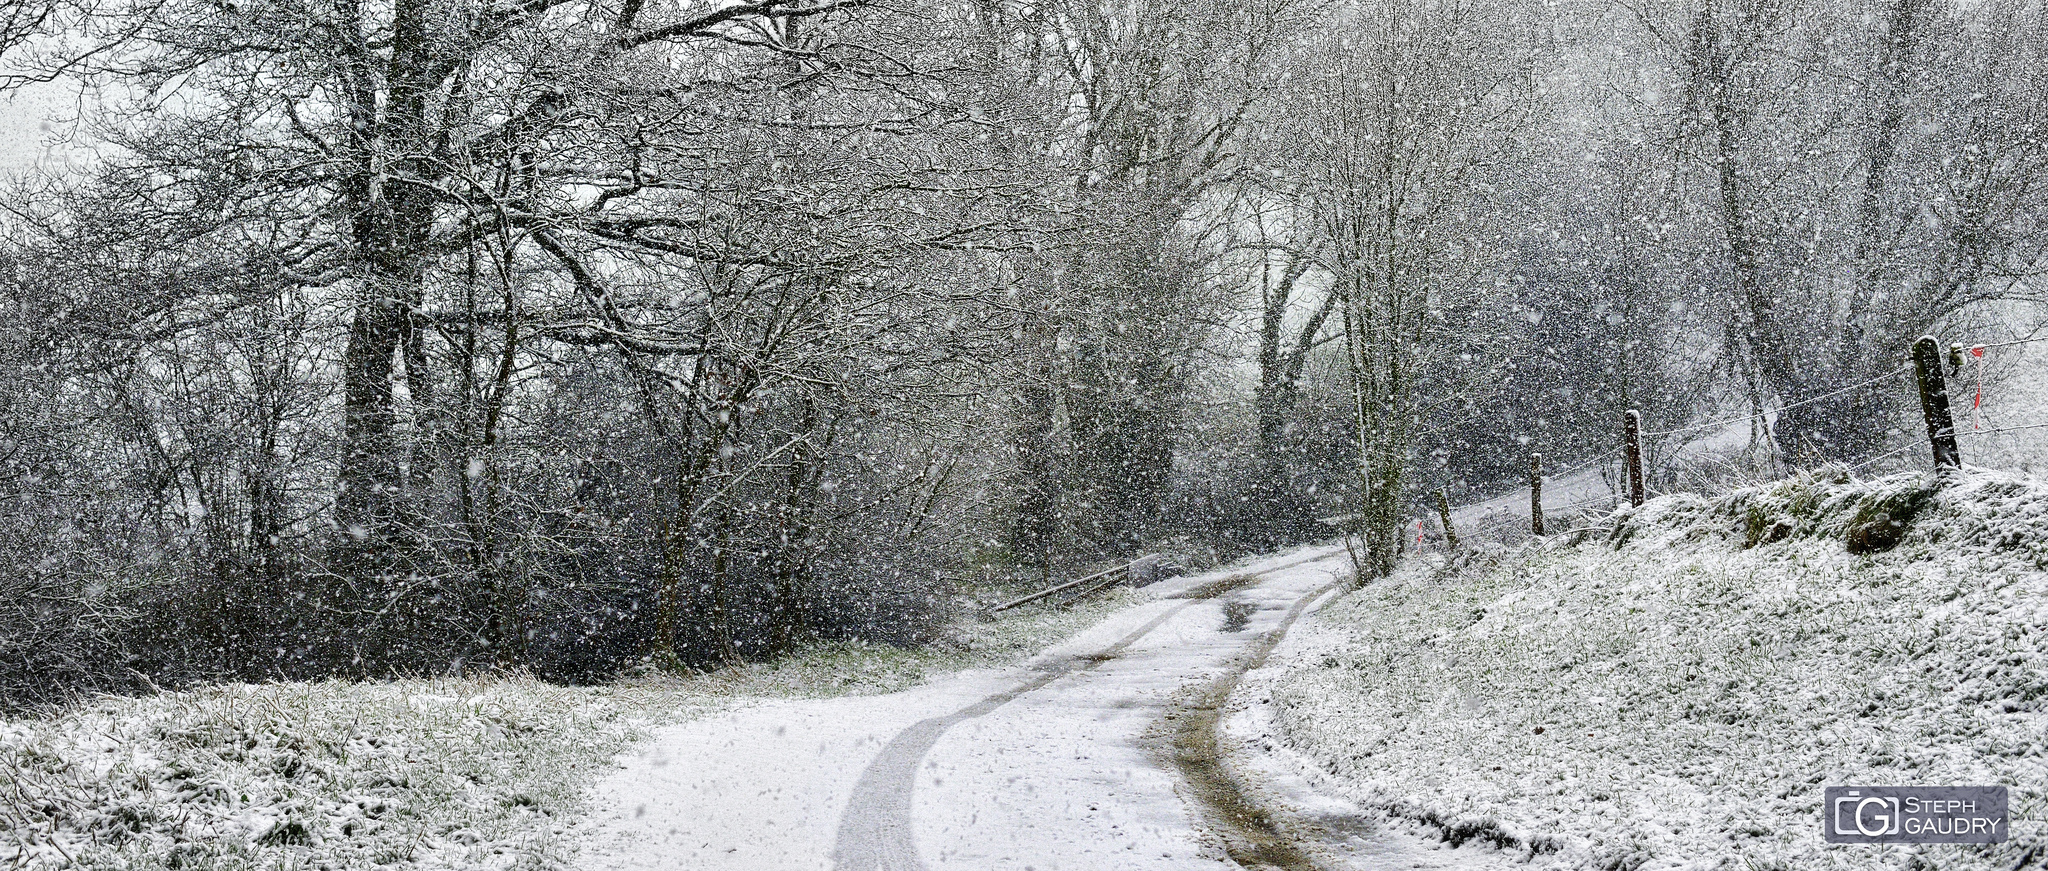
pixel 1914 814
pixel 1868 815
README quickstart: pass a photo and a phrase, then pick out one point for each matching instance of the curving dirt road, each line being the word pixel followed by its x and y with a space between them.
pixel 1100 755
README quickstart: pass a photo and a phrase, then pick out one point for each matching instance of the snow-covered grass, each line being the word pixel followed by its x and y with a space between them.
pixel 1673 689
pixel 429 773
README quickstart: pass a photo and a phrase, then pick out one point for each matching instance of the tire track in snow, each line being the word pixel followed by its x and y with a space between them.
pixel 875 830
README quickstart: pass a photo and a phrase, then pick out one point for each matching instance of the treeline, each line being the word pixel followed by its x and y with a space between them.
pixel 388 336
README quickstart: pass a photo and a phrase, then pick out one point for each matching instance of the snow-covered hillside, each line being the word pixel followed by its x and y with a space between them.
pixel 1674 688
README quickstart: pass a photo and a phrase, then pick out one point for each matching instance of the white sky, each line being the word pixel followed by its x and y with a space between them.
pixel 38 128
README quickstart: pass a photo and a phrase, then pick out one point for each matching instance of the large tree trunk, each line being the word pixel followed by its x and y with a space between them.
pixel 796 525
pixel 392 215
pixel 1283 510
pixel 1378 340
pixel 369 483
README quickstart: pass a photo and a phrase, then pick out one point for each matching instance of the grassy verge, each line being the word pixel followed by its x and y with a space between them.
pixel 1675 691
pixel 428 773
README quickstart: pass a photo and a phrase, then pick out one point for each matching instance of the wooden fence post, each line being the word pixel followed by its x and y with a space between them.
pixel 1632 443
pixel 1941 428
pixel 1536 494
pixel 1443 513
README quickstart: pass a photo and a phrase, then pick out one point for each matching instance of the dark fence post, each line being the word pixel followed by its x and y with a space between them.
pixel 1632 443
pixel 1536 494
pixel 1443 513
pixel 1941 428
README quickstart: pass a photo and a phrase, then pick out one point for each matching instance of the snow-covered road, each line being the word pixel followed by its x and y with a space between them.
pixel 1074 762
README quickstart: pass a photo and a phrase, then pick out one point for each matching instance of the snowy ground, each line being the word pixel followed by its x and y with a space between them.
pixel 1679 701
pixel 1098 753
pixel 1670 690
pixel 1061 764
pixel 1101 755
pixel 438 773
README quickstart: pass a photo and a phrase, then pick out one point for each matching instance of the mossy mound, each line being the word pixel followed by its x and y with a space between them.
pixel 1972 509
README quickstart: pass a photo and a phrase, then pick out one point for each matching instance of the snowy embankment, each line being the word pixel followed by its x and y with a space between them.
pixel 430 773
pixel 1674 688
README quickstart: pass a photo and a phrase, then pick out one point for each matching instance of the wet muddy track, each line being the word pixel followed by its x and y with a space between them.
pixel 1185 738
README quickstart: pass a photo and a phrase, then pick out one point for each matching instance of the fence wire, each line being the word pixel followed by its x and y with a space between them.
pixel 1913 453
pixel 1782 408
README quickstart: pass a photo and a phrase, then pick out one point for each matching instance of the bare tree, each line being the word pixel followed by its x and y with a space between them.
pixel 1404 109
pixel 1151 101
pixel 735 200
pixel 1871 178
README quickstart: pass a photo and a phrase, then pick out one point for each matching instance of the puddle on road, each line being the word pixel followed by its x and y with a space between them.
pixel 1237 614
